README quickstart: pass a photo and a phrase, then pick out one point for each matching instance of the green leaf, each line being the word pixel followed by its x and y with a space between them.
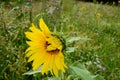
pixel 98 77
pixel 72 39
pixel 70 49
pixel 31 72
pixel 78 64
pixel 84 74
pixel 53 78
pixel 79 69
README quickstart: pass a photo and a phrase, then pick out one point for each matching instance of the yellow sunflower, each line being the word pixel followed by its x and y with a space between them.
pixel 45 49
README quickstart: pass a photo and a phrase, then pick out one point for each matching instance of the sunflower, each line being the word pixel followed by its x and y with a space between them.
pixel 45 49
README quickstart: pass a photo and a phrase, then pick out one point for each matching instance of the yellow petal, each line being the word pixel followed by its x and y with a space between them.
pixel 29 53
pixel 33 57
pixel 27 50
pixel 46 64
pixel 59 60
pixel 51 63
pixel 44 27
pixel 55 70
pixel 35 44
pixel 34 29
pixel 62 59
pixel 38 61
pixel 35 36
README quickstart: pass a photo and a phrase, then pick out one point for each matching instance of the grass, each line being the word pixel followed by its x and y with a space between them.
pixel 100 23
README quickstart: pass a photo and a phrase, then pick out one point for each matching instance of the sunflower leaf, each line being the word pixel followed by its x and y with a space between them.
pixel 98 77
pixel 84 74
pixel 79 69
pixel 53 78
pixel 31 72
pixel 73 39
pixel 70 49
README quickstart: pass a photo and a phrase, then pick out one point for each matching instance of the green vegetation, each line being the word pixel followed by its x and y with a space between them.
pixel 96 25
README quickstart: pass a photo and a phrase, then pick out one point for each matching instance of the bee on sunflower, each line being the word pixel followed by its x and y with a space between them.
pixel 45 49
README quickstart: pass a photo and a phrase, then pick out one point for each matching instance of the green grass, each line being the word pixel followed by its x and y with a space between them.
pixel 100 54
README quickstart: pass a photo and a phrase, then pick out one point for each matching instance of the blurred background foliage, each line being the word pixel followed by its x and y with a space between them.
pixel 97 25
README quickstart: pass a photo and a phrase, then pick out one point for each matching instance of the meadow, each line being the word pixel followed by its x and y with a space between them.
pixel 94 30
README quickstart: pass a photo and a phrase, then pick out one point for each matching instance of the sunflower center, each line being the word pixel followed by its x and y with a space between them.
pixel 53 44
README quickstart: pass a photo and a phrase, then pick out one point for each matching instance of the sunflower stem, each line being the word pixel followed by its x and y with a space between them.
pixel 54 29
pixel 62 75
